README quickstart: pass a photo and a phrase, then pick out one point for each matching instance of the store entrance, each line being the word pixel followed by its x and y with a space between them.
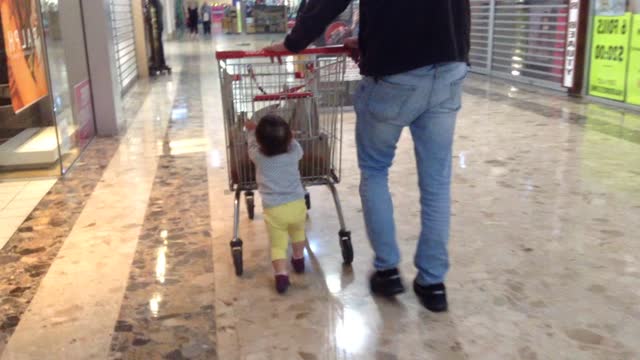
pixel 46 114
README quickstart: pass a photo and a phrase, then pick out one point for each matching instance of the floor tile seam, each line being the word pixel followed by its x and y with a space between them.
pixel 15 194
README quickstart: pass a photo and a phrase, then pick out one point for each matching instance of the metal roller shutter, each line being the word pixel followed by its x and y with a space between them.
pixel 124 43
pixel 481 27
pixel 523 40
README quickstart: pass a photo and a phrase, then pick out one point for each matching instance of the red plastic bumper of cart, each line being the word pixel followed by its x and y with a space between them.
pixel 327 50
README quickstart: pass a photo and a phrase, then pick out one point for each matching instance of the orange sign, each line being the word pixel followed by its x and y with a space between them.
pixel 24 49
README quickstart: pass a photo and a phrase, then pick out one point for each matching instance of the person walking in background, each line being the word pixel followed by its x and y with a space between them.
pixel 205 11
pixel 413 55
pixel 193 18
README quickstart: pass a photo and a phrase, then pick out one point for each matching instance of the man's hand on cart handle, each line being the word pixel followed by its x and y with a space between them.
pixel 277 48
pixel 351 43
pixel 250 125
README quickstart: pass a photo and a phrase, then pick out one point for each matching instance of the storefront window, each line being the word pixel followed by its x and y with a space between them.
pixel 71 91
pixel 46 115
pixel 614 72
pixel 28 144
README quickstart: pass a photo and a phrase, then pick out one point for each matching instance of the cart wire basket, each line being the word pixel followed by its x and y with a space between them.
pixel 307 90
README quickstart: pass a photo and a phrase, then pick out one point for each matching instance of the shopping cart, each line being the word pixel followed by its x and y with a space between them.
pixel 307 90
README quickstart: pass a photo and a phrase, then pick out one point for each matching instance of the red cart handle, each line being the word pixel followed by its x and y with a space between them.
pixel 328 50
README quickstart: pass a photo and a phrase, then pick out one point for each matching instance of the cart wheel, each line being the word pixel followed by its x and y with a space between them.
pixel 251 205
pixel 236 254
pixel 346 246
pixel 307 200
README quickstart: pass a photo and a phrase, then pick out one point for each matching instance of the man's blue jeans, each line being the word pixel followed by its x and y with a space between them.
pixel 426 100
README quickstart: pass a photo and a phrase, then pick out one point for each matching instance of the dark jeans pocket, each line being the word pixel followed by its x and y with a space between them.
pixel 386 101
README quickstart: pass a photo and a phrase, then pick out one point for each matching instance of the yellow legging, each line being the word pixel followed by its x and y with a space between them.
pixel 284 221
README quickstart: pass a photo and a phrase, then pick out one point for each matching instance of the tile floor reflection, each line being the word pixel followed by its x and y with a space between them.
pixel 545 257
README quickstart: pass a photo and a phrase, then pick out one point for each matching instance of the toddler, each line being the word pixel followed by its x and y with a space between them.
pixel 276 156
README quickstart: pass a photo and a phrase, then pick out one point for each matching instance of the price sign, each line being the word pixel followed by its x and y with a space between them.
pixel 609 56
pixel 633 78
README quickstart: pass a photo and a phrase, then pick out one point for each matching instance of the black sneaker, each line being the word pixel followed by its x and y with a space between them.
pixel 433 297
pixel 386 283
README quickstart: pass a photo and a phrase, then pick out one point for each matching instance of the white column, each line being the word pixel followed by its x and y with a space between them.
pixel 139 32
pixel 102 67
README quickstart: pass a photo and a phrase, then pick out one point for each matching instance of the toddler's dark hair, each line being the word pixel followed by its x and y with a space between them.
pixel 273 135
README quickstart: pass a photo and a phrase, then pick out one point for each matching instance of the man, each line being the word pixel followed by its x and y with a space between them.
pixel 413 56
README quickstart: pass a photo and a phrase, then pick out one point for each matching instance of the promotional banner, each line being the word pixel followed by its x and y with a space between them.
pixel 84 111
pixel 571 47
pixel 633 78
pixel 609 56
pixel 24 51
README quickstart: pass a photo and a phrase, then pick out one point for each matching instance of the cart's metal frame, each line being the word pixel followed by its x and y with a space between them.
pixel 312 80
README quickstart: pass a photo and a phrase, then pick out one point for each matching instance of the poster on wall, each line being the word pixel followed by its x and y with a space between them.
pixel 609 56
pixel 84 111
pixel 633 76
pixel 24 51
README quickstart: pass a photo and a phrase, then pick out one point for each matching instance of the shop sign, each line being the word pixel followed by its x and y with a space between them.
pixel 609 56
pixel 571 44
pixel 84 110
pixel 633 77
pixel 21 31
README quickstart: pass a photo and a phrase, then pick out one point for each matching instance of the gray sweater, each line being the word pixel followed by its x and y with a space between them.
pixel 278 176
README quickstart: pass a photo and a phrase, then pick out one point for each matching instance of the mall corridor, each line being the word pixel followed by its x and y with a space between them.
pixel 127 256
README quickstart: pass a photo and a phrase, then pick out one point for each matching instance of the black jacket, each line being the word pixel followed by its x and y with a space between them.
pixel 395 35
pixel 303 3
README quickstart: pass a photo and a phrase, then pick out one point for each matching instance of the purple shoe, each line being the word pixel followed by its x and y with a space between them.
pixel 282 283
pixel 298 265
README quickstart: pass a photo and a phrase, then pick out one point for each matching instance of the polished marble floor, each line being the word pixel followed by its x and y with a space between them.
pixel 127 257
